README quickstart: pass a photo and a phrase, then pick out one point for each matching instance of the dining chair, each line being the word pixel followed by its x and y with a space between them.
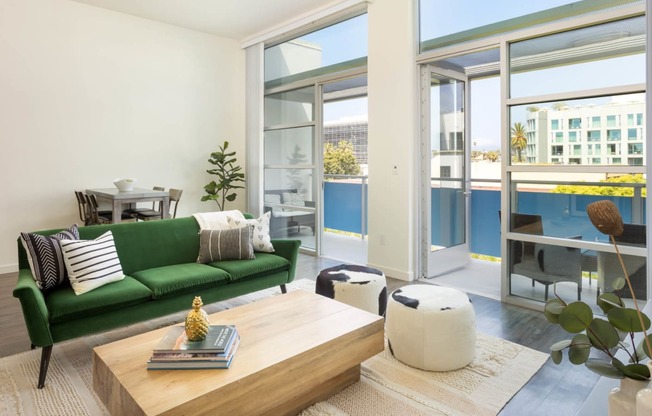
pixel 133 212
pixel 101 217
pixel 82 206
pixel 94 214
pixel 153 214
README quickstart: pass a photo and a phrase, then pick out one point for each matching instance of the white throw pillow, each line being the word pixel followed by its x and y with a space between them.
pixel 262 240
pixel 91 263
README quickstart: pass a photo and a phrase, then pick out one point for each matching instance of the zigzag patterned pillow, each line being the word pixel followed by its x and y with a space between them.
pixel 261 239
pixel 45 257
pixel 91 263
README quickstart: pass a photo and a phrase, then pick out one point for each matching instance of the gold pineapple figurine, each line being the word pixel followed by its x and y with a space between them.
pixel 197 321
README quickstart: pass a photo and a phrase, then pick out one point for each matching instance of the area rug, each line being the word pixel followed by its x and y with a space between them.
pixel 386 387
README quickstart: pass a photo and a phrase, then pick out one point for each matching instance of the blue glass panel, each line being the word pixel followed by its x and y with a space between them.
pixel 343 206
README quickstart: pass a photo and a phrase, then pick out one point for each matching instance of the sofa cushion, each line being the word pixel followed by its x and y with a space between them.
pixel 169 281
pixel 64 305
pixel 265 263
pixel 147 244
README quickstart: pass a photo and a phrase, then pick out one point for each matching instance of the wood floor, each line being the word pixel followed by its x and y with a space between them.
pixel 558 390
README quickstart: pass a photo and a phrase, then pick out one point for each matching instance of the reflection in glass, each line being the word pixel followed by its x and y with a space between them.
pixel 289 146
pixel 536 267
pixel 438 19
pixel 289 196
pixel 341 42
pixel 296 106
pixel 579 59
pixel 448 210
pixel 610 269
pixel 560 200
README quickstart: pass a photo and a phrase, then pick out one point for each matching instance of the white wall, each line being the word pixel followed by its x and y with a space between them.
pixel 88 95
pixel 393 117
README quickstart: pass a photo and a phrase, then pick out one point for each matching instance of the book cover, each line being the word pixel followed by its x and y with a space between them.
pixel 201 356
pixel 194 364
pixel 217 340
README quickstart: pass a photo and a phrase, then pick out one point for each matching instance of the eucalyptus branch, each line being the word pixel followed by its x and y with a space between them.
pixel 631 289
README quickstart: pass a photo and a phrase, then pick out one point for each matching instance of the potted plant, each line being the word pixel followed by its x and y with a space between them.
pixel 597 340
pixel 229 177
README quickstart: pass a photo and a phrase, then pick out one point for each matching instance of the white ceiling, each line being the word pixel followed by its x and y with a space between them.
pixel 233 19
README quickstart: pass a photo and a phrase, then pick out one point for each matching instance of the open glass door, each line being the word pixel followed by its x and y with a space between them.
pixel 445 174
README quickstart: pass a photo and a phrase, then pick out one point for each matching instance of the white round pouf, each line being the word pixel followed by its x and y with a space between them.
pixel 359 286
pixel 431 327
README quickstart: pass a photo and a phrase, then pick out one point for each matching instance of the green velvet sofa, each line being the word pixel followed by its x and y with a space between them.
pixel 162 276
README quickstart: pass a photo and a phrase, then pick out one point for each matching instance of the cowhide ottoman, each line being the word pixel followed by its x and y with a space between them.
pixel 359 286
pixel 431 327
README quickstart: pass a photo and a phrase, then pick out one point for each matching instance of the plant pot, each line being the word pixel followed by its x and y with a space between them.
pixel 622 400
pixel 644 397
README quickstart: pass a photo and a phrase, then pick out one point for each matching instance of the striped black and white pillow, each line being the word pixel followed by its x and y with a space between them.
pixel 91 263
pixel 45 257
pixel 217 245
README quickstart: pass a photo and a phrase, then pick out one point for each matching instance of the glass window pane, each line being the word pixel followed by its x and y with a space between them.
pixel 342 42
pixel 559 201
pixel 545 146
pixel 290 196
pixel 578 59
pixel 444 22
pixel 289 146
pixel 295 106
pixel 595 122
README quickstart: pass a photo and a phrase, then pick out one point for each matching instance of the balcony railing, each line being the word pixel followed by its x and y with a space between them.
pixel 345 209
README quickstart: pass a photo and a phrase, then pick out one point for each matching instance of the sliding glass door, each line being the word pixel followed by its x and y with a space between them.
pixel 445 179
pixel 290 189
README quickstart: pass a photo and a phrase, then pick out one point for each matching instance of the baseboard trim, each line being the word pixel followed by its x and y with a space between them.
pixel 8 268
pixel 396 274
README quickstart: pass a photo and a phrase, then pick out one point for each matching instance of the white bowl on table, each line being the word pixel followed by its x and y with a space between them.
pixel 124 185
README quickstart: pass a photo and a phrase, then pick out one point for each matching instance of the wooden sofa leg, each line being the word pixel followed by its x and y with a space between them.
pixel 283 289
pixel 45 361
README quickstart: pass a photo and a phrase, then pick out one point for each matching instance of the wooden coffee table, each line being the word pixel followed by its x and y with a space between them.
pixel 296 349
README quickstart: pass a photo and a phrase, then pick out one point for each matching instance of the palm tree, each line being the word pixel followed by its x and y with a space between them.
pixel 519 140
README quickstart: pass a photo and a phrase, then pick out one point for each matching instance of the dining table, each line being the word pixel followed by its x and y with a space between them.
pixel 118 199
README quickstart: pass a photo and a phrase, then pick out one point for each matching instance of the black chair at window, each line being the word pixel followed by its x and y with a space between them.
pixel 544 263
pixel 609 268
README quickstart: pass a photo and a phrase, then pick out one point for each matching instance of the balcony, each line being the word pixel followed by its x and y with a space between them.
pixel 563 217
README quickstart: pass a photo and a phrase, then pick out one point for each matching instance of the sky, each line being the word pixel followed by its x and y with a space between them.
pixel 348 40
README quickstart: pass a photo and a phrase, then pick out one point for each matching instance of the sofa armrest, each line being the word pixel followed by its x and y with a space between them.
pixel 288 249
pixel 34 309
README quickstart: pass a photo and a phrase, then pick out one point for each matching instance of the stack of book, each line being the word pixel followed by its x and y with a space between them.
pixel 175 352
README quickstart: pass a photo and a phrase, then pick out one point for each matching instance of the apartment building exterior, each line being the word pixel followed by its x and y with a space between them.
pixel 606 134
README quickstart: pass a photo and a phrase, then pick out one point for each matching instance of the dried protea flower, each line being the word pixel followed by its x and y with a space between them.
pixel 605 217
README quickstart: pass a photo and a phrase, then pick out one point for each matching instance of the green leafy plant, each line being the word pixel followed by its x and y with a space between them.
pixel 606 336
pixel 229 177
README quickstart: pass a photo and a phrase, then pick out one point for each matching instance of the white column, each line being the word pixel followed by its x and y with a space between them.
pixel 254 90
pixel 393 137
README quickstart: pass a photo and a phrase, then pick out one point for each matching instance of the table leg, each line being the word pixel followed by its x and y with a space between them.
pixel 117 211
pixel 165 207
